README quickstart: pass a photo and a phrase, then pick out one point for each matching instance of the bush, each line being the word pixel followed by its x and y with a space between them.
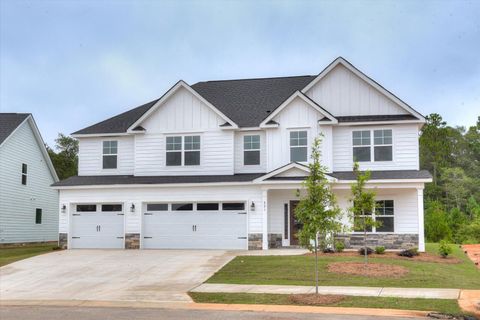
pixel 380 250
pixel 361 251
pixel 444 249
pixel 339 246
pixel 410 253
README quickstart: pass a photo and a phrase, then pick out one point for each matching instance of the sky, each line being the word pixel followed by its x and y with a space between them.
pixel 74 63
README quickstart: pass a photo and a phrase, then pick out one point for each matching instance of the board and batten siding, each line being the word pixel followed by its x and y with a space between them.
pixel 139 196
pixel 405 148
pixel 90 156
pixel 298 115
pixel 18 202
pixel 343 93
pixel 239 166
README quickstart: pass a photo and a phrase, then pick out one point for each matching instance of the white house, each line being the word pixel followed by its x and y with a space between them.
pixel 28 206
pixel 217 165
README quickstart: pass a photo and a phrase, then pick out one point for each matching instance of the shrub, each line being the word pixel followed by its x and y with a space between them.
pixel 361 251
pixel 339 246
pixel 380 250
pixel 328 250
pixel 444 249
pixel 410 253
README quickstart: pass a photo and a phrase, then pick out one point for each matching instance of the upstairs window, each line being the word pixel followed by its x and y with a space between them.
pixel 298 146
pixel 24 174
pixel 183 150
pixel 251 150
pixel 38 216
pixel 361 146
pixel 110 154
pixel 380 148
pixel 382 140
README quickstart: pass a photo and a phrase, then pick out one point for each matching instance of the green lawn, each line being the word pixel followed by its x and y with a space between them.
pixel 439 305
pixel 12 254
pixel 299 270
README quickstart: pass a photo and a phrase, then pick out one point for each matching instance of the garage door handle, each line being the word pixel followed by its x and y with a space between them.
pixel 242 238
pixel 75 214
pixel 147 214
pixel 119 237
pixel 242 213
pixel 75 237
pixel 147 237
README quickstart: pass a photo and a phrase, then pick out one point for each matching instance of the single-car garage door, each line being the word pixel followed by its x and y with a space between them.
pixel 97 226
pixel 189 225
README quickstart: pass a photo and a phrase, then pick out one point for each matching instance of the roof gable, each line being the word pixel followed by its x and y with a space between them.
pixel 291 172
pixel 9 122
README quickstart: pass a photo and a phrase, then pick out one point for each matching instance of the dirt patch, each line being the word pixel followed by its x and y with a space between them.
pixel 315 299
pixel 422 257
pixel 369 270
pixel 473 252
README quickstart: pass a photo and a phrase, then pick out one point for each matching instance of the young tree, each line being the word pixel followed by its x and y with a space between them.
pixel 363 204
pixel 317 210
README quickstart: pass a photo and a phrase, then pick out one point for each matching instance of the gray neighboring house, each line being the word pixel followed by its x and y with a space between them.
pixel 28 206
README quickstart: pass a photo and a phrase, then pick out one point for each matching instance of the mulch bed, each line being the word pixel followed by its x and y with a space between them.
pixel 315 299
pixel 369 270
pixel 473 252
pixel 422 257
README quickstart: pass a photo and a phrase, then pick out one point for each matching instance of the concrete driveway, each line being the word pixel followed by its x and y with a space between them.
pixel 110 275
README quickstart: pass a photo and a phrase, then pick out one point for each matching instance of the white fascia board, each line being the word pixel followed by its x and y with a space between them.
pixel 365 78
pixel 366 123
pixel 168 94
pixel 296 94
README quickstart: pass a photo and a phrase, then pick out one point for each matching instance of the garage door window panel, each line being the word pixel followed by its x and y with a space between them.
pixel 207 206
pixel 112 208
pixel 157 207
pixel 233 206
pixel 182 206
pixel 86 207
pixel 110 154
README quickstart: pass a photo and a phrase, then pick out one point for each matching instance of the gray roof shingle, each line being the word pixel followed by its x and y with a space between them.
pixel 9 122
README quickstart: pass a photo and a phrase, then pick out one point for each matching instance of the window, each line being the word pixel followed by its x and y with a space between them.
pixel 38 216
pixel 182 206
pixel 360 217
pixel 111 207
pixel 382 145
pixel 207 206
pixel 361 146
pixel 190 151
pixel 251 150
pixel 285 220
pixel 110 154
pixel 157 207
pixel 384 213
pixel 233 206
pixel 86 207
pixel 24 174
pixel 298 146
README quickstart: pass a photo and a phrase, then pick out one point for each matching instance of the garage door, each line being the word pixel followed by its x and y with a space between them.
pixel 97 226
pixel 212 225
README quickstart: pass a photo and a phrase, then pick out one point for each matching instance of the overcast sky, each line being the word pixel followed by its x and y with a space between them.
pixel 74 63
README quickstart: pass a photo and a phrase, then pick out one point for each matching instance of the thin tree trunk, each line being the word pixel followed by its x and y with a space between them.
pixel 365 239
pixel 316 264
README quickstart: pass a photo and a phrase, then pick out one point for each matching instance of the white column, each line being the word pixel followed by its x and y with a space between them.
pixel 264 219
pixel 421 230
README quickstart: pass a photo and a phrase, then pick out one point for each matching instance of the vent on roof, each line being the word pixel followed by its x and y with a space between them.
pixel 324 119
pixel 271 122
pixel 226 124
pixel 139 128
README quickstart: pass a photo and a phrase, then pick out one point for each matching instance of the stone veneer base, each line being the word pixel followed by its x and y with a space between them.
pixel 390 241
pixel 132 240
pixel 63 240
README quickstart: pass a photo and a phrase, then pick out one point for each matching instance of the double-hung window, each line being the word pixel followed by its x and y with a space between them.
pixel 383 213
pixel 183 150
pixel 380 150
pixel 251 150
pixel 298 146
pixel 110 154
pixel 24 174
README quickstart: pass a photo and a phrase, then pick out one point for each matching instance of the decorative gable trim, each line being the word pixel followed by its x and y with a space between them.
pixel 267 122
pixel 168 94
pixel 278 172
pixel 367 79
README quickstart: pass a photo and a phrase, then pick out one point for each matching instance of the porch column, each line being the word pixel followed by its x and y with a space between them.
pixel 421 230
pixel 265 220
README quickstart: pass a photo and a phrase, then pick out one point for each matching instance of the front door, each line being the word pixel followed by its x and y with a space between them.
pixel 295 225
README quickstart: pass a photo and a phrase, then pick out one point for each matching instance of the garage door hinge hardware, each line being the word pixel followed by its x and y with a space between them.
pixel 147 237
pixel 119 237
pixel 75 214
pixel 75 237
pixel 242 237
pixel 148 214
pixel 242 213
pixel 120 214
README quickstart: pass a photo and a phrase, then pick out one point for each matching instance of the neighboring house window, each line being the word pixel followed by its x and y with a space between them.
pixel 298 146
pixel 38 216
pixel 384 213
pixel 24 174
pixel 382 140
pixel 110 153
pixel 186 153
pixel 364 151
pixel 251 150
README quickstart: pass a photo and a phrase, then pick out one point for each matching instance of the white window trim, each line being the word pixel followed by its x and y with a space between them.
pixel 307 130
pixel 374 216
pixel 182 150
pixel 110 154
pixel 372 145
pixel 24 174
pixel 259 150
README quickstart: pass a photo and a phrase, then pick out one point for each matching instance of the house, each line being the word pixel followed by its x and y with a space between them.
pixel 28 206
pixel 217 165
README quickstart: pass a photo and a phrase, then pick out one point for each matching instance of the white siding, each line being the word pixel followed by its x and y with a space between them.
pixel 18 202
pixel 405 148
pixel 90 156
pixel 345 94
pixel 239 167
pixel 296 116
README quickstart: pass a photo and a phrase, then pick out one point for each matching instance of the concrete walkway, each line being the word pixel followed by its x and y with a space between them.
pixel 429 293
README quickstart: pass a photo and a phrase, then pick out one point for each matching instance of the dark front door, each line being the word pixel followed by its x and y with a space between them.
pixel 295 225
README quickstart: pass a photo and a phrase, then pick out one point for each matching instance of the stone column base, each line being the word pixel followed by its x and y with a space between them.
pixel 63 240
pixel 132 240
pixel 390 241
pixel 255 241
pixel 275 240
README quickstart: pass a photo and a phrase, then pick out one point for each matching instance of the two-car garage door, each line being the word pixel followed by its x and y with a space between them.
pixel 185 225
